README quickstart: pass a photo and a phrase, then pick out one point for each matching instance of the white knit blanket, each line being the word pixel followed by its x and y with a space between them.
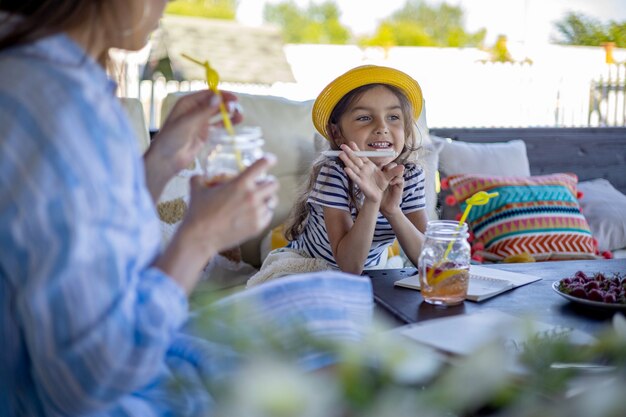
pixel 282 262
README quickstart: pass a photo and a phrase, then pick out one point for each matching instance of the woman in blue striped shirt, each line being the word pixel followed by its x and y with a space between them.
pixel 91 310
pixel 354 208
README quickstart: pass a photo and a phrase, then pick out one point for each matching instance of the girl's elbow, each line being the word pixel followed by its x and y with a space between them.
pixel 352 269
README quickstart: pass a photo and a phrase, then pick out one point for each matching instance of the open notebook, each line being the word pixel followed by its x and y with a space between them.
pixel 484 282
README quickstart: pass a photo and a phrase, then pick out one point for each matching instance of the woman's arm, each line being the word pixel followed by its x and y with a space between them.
pixel 94 317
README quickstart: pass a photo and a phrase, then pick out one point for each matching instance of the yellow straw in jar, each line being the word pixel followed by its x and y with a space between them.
pixel 213 79
pixel 479 199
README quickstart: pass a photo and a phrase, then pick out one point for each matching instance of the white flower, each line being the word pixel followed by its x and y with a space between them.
pixel 270 388
pixel 405 361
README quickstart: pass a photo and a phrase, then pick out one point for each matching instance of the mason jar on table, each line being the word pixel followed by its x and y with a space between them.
pixel 444 263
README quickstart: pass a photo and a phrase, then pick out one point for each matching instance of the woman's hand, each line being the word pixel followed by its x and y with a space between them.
pixel 182 136
pixel 219 216
pixel 392 196
pixel 228 213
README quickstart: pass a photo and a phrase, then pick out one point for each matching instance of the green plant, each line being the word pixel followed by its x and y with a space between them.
pixel 212 9
pixel 579 29
pixel 386 374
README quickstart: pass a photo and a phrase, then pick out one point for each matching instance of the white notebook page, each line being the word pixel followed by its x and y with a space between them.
pixel 484 282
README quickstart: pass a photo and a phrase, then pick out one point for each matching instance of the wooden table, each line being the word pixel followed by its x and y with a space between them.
pixel 404 305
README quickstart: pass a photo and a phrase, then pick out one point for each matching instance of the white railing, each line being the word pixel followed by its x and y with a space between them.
pixel 607 98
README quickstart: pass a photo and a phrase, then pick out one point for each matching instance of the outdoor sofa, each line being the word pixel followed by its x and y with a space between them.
pixel 596 155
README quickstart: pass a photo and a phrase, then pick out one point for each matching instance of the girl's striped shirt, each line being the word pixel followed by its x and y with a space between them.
pixel 331 190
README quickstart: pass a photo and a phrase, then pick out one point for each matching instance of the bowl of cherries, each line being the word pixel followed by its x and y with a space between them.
pixel 597 289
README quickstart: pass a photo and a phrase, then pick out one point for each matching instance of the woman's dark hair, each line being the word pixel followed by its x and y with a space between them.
pixel 40 18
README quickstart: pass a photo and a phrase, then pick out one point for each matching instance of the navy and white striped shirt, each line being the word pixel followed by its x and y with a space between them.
pixel 87 326
pixel 331 190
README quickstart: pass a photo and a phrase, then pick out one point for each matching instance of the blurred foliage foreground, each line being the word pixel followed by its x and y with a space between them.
pixel 386 374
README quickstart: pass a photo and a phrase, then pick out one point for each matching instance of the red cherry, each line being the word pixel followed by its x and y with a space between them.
pixel 595 295
pixel 609 298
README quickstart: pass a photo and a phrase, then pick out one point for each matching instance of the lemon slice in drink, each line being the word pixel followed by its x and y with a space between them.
pixel 436 278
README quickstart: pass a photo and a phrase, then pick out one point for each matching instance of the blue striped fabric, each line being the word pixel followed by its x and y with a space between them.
pixel 331 190
pixel 87 326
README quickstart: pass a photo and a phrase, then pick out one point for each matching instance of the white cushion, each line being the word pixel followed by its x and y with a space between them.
pixel 428 158
pixel 501 158
pixel 604 207
pixel 287 130
pixel 134 110
pixel 422 125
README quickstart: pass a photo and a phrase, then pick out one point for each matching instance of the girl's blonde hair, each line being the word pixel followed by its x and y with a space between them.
pixel 299 214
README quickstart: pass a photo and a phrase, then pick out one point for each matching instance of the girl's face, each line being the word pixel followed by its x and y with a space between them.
pixel 374 122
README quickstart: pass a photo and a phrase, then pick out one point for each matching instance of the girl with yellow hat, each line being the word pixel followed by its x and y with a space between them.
pixel 354 206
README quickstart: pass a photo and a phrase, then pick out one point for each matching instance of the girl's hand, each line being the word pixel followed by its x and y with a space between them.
pixel 369 178
pixel 392 197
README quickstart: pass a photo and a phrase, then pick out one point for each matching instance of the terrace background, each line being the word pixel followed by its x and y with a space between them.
pixel 549 85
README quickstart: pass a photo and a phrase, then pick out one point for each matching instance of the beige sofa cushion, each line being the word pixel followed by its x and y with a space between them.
pixel 499 158
pixel 287 130
pixel 603 207
pixel 134 110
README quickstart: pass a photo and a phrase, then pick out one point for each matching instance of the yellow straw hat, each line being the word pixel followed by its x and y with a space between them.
pixel 357 77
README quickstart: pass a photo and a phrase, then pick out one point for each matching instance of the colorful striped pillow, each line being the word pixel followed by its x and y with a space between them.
pixel 539 215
